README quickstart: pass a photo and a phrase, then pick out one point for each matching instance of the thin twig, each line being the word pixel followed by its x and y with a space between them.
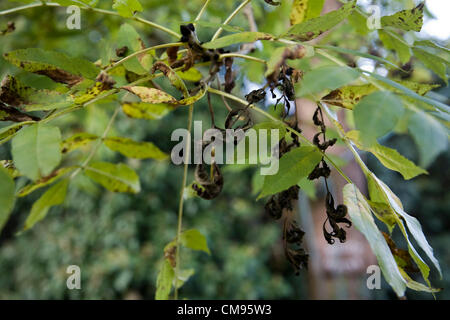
pixel 202 10
pixel 107 12
pixel 232 15
pixel 97 146
pixel 181 201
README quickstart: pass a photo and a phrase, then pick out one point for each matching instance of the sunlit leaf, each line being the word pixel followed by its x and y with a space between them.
pixel 134 149
pixel 45 181
pixel 150 111
pixel 114 177
pixel 127 8
pixel 77 141
pixel 193 239
pixel 406 19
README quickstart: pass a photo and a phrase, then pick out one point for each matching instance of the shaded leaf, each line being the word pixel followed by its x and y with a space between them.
pixel 393 43
pixel 129 39
pixel 55 195
pixel 323 78
pixel 360 214
pixel 36 150
pixel 293 166
pixel 57 66
pixel 429 135
pixel 164 281
pixel 433 62
pixel 237 38
pixel 377 114
pixel 54 176
pixel 7 197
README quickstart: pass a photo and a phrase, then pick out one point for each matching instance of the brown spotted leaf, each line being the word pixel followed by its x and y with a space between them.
pixel 313 28
pixel 406 19
pixel 57 66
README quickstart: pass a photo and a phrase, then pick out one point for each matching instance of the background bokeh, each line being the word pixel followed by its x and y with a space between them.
pixel 118 239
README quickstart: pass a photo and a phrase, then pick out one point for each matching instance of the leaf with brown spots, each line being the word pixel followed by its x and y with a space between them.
pixel 313 28
pixel 406 19
pixel 151 95
pixel 57 66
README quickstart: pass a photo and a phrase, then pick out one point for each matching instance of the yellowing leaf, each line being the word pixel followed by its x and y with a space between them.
pixel 151 95
pixel 57 66
pixel 134 149
pixel 150 111
pixel 164 281
pixel 406 19
pixel 44 181
pixel 298 12
pixel 313 28
pixel 76 141
pixel 114 177
pixel 192 75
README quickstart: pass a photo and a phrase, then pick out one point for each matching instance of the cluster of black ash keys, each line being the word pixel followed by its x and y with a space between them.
pixel 209 185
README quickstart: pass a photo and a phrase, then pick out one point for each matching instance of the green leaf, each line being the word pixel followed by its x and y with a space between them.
pixel 7 197
pixel 9 132
pixel 57 66
pixel 394 43
pixel 128 37
pixel 433 62
pixel 58 174
pixel 150 111
pixel 406 19
pixel 384 213
pixel 237 38
pixel 279 56
pixel 323 78
pixel 360 214
pixel 164 281
pixel 429 135
pixel 359 54
pixel 17 94
pixel 55 195
pixel 151 95
pixel 314 8
pixel 134 149
pixel 127 8
pixel 377 114
pixel 77 141
pixel 359 22
pixel 114 177
pixel 413 225
pixel 410 93
pixel 390 158
pixel 193 239
pixel 348 96
pixel 313 28
pixel 293 166
pixel 36 150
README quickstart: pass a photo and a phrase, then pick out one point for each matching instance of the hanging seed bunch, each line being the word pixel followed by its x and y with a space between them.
pixel 335 215
pixel 283 204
